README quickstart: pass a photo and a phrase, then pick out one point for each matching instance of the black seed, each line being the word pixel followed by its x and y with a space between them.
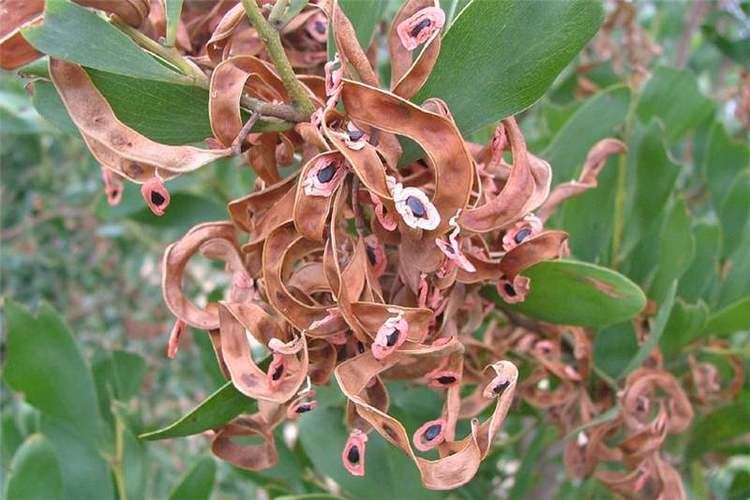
pixel 446 379
pixel 509 289
pixel 371 255
pixel 303 408
pixel 353 455
pixel 276 375
pixel 419 27
pixel 416 206
pixel 499 388
pixel 450 250
pixel 432 432
pixel 391 338
pixel 114 193
pixel 355 135
pixel 156 198
pixel 360 347
pixel 320 27
pixel 522 235
pixel 326 174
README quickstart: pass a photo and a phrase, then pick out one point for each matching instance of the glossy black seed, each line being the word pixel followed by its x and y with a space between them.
pixel 360 347
pixel 391 338
pixel 320 27
pixel 156 198
pixel 353 455
pixel 416 206
pixel 432 432
pixel 355 135
pixel 303 408
pixel 446 379
pixel 509 289
pixel 499 388
pixel 522 234
pixel 276 375
pixel 114 193
pixel 371 255
pixel 326 174
pixel 419 27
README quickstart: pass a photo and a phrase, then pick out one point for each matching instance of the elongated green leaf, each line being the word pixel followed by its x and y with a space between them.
pixel 737 50
pixel 164 112
pixel 45 365
pixel 686 323
pixel 723 160
pixel 717 428
pixel 218 409
pixel 364 16
pixel 75 34
pixel 495 61
pixel 704 269
pixel 197 483
pixel 614 347
pixel 673 96
pixel 732 318
pixel 35 472
pixel 576 293
pixel 85 472
pixel 173 8
pixel 599 117
pixel 734 213
pixel 651 177
pixel 736 285
pixel 47 102
pixel 660 321
pixel 676 250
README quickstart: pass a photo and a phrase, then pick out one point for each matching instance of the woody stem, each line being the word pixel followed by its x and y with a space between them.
pixel 272 41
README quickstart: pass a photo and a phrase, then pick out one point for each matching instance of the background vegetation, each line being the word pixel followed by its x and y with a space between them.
pixel 672 82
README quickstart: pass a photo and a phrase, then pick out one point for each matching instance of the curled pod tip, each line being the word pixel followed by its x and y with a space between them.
pixel 353 456
pixel 156 195
pixel 515 291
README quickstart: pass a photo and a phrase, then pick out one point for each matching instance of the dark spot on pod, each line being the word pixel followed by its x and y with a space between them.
pixel 156 198
pixel 114 193
pixel 450 250
pixel 419 27
pixel 360 347
pixel 355 135
pixel 320 27
pixel 416 206
pixel 432 432
pixel 522 234
pixel 499 388
pixel 303 408
pixel 446 379
pixel 353 455
pixel 276 375
pixel 371 255
pixel 326 174
pixel 509 289
pixel 391 338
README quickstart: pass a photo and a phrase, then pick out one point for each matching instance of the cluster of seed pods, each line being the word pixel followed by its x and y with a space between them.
pixel 364 266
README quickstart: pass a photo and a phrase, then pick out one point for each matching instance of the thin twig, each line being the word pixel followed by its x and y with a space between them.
pixel 272 41
pixel 244 132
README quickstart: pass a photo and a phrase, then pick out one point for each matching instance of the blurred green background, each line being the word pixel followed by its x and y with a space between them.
pixel 99 267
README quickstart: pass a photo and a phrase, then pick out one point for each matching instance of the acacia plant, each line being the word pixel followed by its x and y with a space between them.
pixel 400 228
